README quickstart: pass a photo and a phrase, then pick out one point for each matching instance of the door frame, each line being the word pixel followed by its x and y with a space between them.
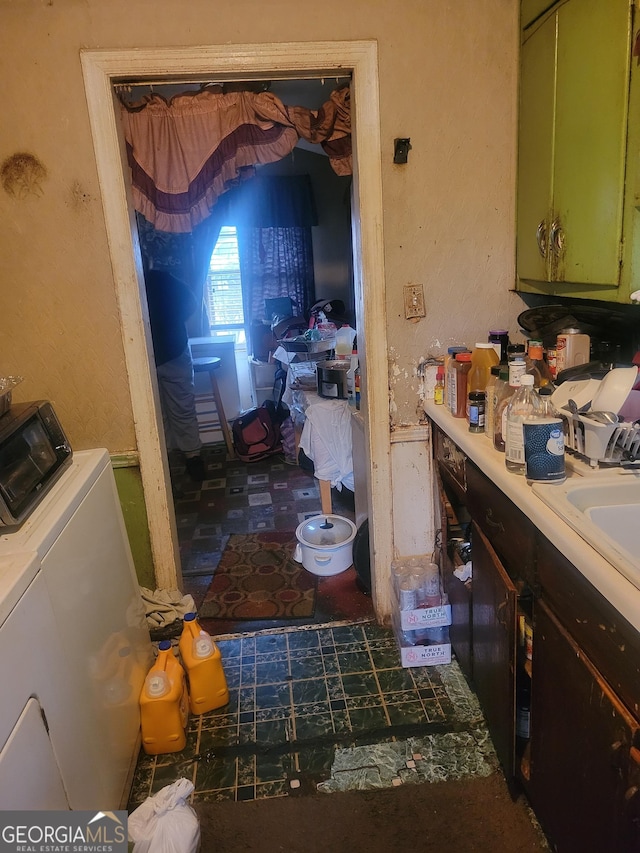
pixel 224 63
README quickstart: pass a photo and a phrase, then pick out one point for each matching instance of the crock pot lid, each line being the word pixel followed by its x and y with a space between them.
pixel 327 530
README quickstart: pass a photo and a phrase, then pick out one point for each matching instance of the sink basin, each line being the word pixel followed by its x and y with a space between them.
pixel 605 512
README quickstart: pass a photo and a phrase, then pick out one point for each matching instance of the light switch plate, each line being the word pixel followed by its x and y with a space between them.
pixel 413 301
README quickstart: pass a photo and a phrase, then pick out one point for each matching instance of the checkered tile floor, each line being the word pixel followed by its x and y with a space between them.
pixel 302 700
pixel 324 706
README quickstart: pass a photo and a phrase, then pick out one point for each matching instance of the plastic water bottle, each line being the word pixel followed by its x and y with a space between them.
pixel 525 403
pixel 203 662
pixel 164 704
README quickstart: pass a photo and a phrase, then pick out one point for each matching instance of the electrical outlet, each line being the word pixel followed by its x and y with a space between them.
pixel 413 301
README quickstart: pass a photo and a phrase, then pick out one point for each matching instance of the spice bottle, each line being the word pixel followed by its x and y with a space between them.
pixel 525 403
pixel 462 366
pixel 449 367
pixel 476 411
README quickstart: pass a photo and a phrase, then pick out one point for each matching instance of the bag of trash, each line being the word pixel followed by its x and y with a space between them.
pixel 165 822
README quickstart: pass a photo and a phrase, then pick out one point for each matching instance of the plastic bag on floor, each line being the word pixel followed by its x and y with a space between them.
pixel 165 822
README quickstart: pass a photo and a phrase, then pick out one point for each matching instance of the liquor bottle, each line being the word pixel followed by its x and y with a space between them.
pixel 537 365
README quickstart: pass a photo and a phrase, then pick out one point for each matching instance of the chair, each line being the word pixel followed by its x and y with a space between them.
pixel 210 365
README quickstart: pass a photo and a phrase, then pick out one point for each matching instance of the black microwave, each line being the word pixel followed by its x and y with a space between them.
pixel 34 452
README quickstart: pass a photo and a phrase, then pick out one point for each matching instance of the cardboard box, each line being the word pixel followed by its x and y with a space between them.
pixel 423 618
pixel 422 633
pixel 425 655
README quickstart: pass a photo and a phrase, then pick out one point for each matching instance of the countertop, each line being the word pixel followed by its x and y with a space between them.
pixel 622 594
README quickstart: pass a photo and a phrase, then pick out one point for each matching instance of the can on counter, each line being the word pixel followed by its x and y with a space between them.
pixel 544 450
pixel 572 348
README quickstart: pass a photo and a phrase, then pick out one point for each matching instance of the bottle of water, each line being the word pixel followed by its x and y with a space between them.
pixel 525 403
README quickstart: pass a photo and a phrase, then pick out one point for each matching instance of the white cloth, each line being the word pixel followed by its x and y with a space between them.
pixel 326 440
pixel 464 573
pixel 164 606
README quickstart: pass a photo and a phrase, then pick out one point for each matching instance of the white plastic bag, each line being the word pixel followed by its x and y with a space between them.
pixel 165 822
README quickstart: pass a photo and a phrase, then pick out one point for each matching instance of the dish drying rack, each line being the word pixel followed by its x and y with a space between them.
pixel 611 444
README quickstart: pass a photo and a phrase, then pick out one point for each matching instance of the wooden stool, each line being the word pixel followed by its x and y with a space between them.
pixel 210 365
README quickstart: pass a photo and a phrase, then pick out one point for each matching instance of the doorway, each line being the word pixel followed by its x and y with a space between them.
pixel 261 270
pixel 103 68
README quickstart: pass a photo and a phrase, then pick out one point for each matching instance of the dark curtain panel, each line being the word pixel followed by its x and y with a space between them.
pixel 276 262
pixel 186 256
pixel 273 216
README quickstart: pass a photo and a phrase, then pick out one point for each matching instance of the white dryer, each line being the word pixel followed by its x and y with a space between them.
pixel 74 648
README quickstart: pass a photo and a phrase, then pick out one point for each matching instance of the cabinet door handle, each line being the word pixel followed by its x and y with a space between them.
pixel 501 613
pixel 556 238
pixel 498 525
pixel 632 804
pixel 541 238
pixel 618 755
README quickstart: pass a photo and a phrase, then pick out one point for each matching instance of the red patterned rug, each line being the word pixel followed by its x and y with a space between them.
pixel 257 578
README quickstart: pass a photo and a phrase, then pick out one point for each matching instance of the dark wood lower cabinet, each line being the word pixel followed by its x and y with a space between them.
pixel 566 723
pixel 494 611
pixel 584 771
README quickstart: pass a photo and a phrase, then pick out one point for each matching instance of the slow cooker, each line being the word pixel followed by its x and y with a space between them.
pixel 325 544
pixel 332 379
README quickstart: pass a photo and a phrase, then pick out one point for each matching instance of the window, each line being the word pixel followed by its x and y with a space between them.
pixel 224 288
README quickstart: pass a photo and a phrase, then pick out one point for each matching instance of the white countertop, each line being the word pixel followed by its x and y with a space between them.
pixel 620 592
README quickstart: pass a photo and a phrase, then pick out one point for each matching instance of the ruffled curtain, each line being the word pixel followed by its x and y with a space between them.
pixel 185 153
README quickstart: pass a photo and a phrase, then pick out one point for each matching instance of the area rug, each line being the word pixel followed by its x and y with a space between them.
pixel 465 816
pixel 257 578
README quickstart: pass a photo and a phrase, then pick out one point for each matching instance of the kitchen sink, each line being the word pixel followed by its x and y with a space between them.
pixel 605 511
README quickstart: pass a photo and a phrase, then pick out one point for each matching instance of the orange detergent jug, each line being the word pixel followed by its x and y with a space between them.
pixel 164 704
pixel 203 663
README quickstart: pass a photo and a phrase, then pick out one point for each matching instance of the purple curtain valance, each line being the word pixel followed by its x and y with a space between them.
pixel 187 152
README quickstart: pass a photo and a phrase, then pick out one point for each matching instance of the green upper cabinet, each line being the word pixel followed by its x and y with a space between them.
pixel 574 102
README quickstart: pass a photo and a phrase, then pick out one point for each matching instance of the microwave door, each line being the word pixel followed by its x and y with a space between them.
pixel 41 453
pixel 24 463
pixel 19 480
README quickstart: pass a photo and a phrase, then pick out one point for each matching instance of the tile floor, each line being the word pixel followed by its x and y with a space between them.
pixel 324 708
pixel 321 706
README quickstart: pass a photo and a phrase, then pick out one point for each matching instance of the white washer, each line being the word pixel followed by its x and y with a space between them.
pixel 74 647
